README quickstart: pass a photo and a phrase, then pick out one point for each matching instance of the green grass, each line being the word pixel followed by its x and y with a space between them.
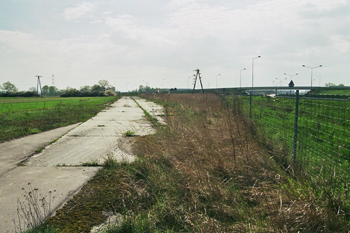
pixel 24 116
pixel 323 149
pixel 129 133
pixel 322 123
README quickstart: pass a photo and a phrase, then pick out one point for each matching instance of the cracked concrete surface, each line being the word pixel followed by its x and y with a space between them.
pixel 59 166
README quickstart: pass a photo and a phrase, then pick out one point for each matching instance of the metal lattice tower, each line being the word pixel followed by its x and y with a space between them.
pixel 38 84
pixel 197 75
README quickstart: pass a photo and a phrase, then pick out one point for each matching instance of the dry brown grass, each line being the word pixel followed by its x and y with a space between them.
pixel 203 172
pixel 228 181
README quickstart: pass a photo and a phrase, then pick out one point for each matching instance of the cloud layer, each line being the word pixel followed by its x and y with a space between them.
pixel 162 43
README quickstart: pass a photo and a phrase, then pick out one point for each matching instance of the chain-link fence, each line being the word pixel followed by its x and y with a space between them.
pixel 311 132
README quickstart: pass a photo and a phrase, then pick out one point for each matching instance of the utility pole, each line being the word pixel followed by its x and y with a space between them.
pixel 197 75
pixel 38 84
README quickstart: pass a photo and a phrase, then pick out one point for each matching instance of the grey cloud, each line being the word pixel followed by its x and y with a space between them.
pixel 121 39
pixel 81 10
pixel 312 12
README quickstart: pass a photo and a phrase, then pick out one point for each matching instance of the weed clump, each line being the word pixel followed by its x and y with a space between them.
pixel 33 211
pixel 129 133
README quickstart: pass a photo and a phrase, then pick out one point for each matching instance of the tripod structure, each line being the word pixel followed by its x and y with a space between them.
pixel 38 84
pixel 197 76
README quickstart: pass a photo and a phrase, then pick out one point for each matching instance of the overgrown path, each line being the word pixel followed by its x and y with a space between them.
pixel 64 166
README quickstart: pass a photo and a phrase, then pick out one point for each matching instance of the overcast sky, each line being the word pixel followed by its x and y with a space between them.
pixel 161 42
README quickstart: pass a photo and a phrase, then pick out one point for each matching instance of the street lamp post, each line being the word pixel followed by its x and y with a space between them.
pixel 312 68
pixel 251 93
pixel 240 78
pixel 274 82
pixel 217 81
pixel 278 81
pixel 290 75
pixel 253 71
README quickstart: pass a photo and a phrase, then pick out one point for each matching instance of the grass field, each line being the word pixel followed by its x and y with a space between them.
pixel 323 145
pixel 24 116
pixel 321 121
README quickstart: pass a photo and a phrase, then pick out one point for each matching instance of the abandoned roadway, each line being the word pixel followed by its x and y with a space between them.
pixel 62 167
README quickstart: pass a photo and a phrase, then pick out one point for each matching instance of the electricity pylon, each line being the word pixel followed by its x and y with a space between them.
pixel 38 84
pixel 198 75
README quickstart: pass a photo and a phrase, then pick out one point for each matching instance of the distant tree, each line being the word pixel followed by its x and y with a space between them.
pixel 341 85
pixel 329 85
pixel 85 89
pixel 105 85
pixel 71 92
pixel 146 89
pixel 45 90
pixel 97 88
pixel 53 91
pixel 9 87
pixel 141 88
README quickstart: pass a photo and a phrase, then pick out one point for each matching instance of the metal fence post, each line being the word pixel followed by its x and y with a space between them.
pixel 296 125
pixel 234 104
pixel 250 105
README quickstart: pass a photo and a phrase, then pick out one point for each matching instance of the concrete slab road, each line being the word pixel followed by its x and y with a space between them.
pixel 58 168
pixel 17 150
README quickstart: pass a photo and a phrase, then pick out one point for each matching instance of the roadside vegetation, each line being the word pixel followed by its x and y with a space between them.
pixel 333 92
pixel 322 125
pixel 203 172
pixel 25 116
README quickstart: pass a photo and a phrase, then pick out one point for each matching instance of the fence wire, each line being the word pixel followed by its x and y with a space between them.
pixel 323 132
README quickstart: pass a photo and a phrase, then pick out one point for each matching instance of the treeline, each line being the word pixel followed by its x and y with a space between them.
pixel 50 91
pixel 147 89
pixel 10 90
pixel 19 94
pixel 333 85
pixel 103 88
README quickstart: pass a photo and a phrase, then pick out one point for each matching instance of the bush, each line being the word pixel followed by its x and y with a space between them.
pixel 110 93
